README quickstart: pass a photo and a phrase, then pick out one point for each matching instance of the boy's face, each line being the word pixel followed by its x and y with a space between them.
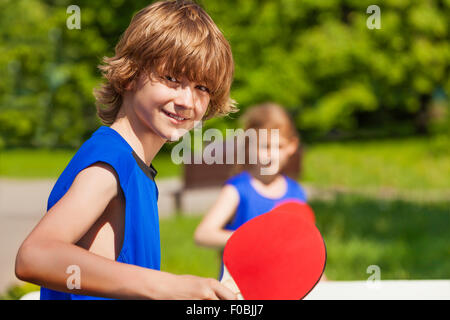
pixel 169 106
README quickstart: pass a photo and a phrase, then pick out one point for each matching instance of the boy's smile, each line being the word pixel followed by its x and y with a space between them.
pixel 176 118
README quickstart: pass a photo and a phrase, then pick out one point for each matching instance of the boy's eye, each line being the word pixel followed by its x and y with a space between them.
pixel 174 80
pixel 171 79
pixel 203 88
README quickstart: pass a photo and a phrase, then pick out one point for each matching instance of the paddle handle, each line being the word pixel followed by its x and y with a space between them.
pixel 227 281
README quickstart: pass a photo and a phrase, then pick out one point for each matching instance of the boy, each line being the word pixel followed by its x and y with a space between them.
pixel 172 67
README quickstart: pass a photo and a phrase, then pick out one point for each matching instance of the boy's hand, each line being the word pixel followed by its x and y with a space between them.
pixel 188 287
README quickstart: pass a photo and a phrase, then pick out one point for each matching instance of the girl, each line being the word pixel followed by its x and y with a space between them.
pixel 250 193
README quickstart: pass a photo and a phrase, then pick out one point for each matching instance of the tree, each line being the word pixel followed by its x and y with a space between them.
pixel 318 58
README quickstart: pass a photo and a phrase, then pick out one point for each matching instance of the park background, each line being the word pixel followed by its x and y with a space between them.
pixel 371 106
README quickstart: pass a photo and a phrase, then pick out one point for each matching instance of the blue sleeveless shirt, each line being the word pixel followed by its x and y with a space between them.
pixel 252 203
pixel 141 242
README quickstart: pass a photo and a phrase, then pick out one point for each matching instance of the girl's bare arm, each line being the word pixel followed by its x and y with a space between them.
pixel 211 232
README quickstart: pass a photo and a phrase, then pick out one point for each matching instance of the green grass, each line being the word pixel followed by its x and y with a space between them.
pixel 44 163
pixel 179 253
pixel 33 163
pixel 409 164
pixel 16 292
pixel 406 239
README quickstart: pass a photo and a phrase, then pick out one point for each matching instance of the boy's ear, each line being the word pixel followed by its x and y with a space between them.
pixel 135 81
pixel 130 85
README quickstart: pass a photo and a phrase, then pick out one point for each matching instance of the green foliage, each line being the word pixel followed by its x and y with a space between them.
pixel 318 58
pixel 48 73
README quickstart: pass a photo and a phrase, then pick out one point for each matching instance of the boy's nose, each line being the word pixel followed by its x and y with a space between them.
pixel 185 97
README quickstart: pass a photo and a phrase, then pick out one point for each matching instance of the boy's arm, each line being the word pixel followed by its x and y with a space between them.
pixel 210 232
pixel 50 249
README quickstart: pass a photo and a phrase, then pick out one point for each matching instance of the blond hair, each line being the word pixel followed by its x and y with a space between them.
pixel 176 38
pixel 270 115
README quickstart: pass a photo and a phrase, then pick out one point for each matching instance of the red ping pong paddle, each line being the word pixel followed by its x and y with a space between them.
pixel 279 255
pixel 295 205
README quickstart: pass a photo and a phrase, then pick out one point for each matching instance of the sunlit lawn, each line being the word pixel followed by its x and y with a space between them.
pixel 405 239
pixel 408 164
pixel 43 163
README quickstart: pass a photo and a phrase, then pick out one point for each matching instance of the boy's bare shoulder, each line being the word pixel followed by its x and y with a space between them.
pixel 78 209
pixel 99 179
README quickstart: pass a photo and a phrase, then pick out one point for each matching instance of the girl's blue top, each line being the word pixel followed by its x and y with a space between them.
pixel 141 242
pixel 252 204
